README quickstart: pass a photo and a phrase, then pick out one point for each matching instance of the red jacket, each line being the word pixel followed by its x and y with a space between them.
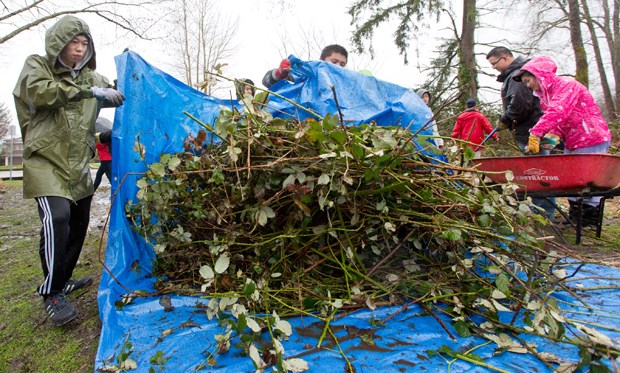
pixel 104 152
pixel 471 126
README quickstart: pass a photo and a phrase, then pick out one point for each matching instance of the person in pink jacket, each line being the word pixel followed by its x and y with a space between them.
pixel 569 113
pixel 471 126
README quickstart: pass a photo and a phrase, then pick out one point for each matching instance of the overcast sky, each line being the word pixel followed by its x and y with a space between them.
pixel 258 41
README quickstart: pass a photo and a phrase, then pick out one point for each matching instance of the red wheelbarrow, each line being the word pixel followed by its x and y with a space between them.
pixel 566 175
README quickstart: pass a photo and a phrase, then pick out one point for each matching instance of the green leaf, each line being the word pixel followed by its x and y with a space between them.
pixel 174 163
pixel 502 282
pixel 264 214
pixel 158 169
pixel 323 179
pixel 452 234
pixel 469 153
pixel 357 151
pixel 339 137
pixel 206 272
pixel 222 263
pixel 261 217
pixel 330 122
pixel 288 181
pixel 249 289
pixel 505 230
pixel 447 350
pixel 241 323
pixel 310 303
pixel 315 135
pixel 426 194
pixel 369 175
pixel 484 220
pixel 462 329
pixel 253 325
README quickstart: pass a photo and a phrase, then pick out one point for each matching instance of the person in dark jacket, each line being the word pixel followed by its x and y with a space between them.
pixel 333 53
pixel 521 108
pixel 57 100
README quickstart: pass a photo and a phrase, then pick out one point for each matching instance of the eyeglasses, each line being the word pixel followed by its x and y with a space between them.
pixel 496 62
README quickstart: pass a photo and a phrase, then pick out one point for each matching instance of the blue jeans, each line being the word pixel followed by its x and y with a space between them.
pixel 546 204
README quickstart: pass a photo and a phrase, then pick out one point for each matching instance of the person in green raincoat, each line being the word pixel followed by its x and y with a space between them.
pixel 57 99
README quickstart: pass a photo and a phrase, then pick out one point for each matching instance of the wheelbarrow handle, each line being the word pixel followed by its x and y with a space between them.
pixel 486 138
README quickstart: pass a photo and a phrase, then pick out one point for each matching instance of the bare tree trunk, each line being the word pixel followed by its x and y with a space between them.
pixel 609 100
pixel 467 66
pixel 615 51
pixel 581 59
pixel 612 35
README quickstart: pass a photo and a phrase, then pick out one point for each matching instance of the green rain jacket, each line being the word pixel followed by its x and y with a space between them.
pixel 56 113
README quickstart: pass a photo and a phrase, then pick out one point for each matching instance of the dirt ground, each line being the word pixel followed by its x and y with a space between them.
pixel 604 250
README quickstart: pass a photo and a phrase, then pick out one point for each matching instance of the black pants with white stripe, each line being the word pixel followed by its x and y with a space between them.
pixel 65 224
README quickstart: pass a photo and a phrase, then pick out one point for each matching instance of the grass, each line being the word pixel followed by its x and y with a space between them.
pixel 30 343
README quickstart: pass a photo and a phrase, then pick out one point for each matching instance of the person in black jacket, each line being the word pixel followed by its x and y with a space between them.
pixel 521 108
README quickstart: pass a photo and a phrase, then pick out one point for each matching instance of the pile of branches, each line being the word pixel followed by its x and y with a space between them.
pixel 313 217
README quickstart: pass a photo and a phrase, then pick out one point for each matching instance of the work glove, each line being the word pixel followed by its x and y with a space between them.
pixel 109 95
pixel 533 144
pixel 282 71
pixel 550 141
pixel 103 137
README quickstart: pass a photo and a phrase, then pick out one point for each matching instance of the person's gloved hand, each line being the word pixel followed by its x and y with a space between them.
pixel 550 141
pixel 533 144
pixel 282 71
pixel 109 95
pixel 502 126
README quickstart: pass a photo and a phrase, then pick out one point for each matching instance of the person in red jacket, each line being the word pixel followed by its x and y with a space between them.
pixel 105 167
pixel 471 127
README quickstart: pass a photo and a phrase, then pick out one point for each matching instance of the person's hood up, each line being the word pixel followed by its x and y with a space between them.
pixel 420 92
pixel 62 32
pixel 543 68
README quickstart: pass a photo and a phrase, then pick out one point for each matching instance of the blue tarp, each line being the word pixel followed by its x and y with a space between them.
pixel 361 98
pixel 151 122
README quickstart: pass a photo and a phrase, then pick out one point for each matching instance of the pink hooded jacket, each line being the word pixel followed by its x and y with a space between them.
pixel 569 109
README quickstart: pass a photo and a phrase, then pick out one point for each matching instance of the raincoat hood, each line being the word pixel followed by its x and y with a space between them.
pixel 543 68
pixel 422 91
pixel 62 32
pixel 569 109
